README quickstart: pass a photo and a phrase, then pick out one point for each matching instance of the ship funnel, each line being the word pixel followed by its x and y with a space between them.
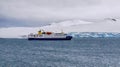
pixel 39 32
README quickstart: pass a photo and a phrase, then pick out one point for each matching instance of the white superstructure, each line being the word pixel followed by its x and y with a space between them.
pixel 49 36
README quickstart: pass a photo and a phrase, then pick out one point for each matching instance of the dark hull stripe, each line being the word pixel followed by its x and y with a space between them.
pixel 67 38
pixel 49 38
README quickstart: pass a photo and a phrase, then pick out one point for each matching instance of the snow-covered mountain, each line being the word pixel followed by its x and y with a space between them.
pixel 69 23
pixel 109 25
pixel 105 25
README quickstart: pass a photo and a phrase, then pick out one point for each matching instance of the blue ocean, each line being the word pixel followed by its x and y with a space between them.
pixel 78 52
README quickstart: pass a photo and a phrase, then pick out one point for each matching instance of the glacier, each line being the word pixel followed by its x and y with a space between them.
pixel 93 34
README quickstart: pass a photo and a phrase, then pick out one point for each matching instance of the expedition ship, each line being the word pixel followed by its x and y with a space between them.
pixel 42 35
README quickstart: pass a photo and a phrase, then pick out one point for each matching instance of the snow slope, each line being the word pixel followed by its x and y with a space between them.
pixel 106 25
pixel 69 23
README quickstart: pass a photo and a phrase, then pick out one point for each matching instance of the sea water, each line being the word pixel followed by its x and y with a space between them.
pixel 78 52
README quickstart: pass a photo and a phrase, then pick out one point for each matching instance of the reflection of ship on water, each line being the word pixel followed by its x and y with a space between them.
pixel 42 35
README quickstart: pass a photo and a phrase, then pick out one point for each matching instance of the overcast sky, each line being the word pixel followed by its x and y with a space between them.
pixel 39 12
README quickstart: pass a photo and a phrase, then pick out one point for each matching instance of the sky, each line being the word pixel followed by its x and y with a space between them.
pixel 21 17
pixel 35 13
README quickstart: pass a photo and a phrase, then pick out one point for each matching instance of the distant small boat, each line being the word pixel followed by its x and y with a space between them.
pixel 42 35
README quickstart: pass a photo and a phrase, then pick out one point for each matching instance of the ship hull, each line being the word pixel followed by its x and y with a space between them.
pixel 67 38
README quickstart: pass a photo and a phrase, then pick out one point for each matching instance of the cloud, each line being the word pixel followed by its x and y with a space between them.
pixel 36 12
